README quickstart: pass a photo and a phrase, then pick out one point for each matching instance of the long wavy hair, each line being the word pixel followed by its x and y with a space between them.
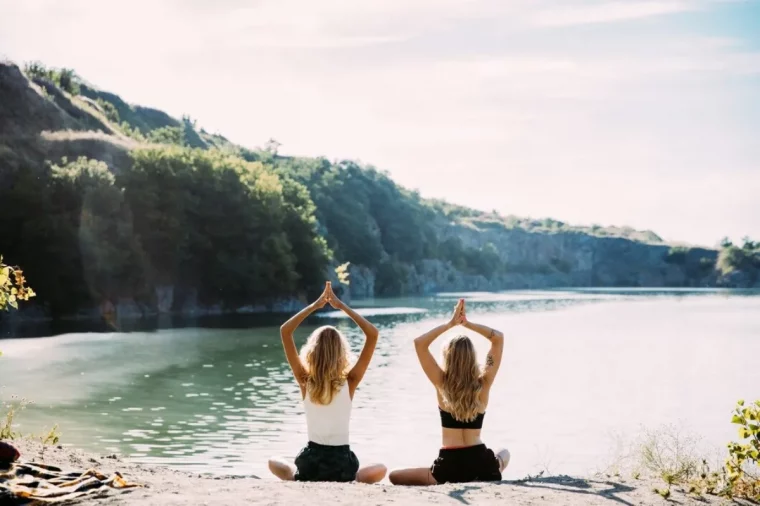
pixel 462 379
pixel 326 357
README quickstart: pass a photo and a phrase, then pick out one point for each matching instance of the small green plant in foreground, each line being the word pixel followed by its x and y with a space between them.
pixel 50 438
pixel 669 454
pixel 672 457
pixel 743 462
pixel 12 409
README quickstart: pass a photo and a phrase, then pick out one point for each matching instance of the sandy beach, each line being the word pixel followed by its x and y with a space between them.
pixel 166 487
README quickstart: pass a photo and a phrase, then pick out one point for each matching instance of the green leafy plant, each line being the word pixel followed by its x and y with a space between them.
pixel 12 287
pixel 342 272
pixel 742 465
pixel 50 438
pixel 112 114
pixel 131 131
pixel 12 409
pixel 670 455
pixel 66 79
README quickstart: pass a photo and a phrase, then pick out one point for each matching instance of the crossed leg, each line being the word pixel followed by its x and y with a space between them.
pixel 287 472
pixel 412 476
pixel 423 476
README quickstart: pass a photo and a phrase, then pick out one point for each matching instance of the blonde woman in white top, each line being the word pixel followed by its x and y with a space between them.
pixel 328 383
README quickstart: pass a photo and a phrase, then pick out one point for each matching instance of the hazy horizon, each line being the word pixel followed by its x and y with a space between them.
pixel 641 113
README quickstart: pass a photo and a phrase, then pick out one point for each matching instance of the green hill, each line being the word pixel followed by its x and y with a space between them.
pixel 105 201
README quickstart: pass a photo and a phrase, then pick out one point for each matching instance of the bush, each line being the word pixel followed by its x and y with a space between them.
pixel 677 255
pixel 733 258
pixel 132 132
pixel 68 81
pixel 38 69
pixel 64 78
pixel 742 464
pixel 167 135
pixel 669 454
pixel 12 409
pixel 673 457
pixel 112 114
pixel 12 287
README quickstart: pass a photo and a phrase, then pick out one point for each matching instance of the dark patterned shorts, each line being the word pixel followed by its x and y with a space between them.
pixel 460 465
pixel 318 462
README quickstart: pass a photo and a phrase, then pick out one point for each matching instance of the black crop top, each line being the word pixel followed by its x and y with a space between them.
pixel 449 422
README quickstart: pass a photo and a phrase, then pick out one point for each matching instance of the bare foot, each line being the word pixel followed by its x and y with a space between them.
pixel 282 469
pixel 503 456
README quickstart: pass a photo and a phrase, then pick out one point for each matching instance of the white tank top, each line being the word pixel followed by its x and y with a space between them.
pixel 328 425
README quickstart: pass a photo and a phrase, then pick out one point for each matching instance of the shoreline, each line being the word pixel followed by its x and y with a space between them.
pixel 168 487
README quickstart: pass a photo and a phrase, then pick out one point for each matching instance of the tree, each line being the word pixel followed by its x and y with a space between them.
pixel 272 146
pixel 68 81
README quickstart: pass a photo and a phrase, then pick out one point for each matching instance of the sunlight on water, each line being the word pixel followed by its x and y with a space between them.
pixel 374 311
pixel 581 368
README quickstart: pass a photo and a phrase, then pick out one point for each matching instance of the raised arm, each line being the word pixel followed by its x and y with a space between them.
pixel 356 373
pixel 289 327
pixel 493 359
pixel 422 345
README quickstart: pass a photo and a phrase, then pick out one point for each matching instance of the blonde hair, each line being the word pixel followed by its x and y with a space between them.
pixel 462 379
pixel 326 358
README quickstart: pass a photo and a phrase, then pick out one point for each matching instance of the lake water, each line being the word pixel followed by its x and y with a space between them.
pixel 582 369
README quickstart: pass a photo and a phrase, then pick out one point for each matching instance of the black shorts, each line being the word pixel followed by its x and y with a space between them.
pixel 318 462
pixel 461 465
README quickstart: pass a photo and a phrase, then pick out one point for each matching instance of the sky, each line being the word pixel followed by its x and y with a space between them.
pixel 643 113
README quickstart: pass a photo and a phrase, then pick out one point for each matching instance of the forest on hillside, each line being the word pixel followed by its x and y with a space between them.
pixel 235 226
pixel 174 206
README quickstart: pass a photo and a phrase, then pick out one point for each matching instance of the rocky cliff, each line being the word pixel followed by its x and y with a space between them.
pixel 40 122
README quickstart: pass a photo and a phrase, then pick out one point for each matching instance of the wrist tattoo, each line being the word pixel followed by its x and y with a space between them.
pixel 490 336
pixel 489 360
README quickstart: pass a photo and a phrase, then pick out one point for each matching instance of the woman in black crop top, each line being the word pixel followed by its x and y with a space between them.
pixel 462 389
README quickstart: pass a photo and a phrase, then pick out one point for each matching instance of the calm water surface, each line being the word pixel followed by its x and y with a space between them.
pixel 581 370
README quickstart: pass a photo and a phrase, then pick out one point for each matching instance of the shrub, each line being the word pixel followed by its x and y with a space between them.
pixel 132 132
pixel 68 81
pixel 12 287
pixel 167 135
pixel 742 471
pixel 37 69
pixel 733 258
pixel 64 78
pixel 669 454
pixel 12 409
pixel 112 114
pixel 677 255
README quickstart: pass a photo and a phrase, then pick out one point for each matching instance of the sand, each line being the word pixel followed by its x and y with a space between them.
pixel 166 487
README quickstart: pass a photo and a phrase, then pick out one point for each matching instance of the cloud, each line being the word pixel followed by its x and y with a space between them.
pixel 607 12
pixel 465 100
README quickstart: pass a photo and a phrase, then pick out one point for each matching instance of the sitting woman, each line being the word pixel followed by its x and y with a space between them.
pixel 327 386
pixel 462 390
